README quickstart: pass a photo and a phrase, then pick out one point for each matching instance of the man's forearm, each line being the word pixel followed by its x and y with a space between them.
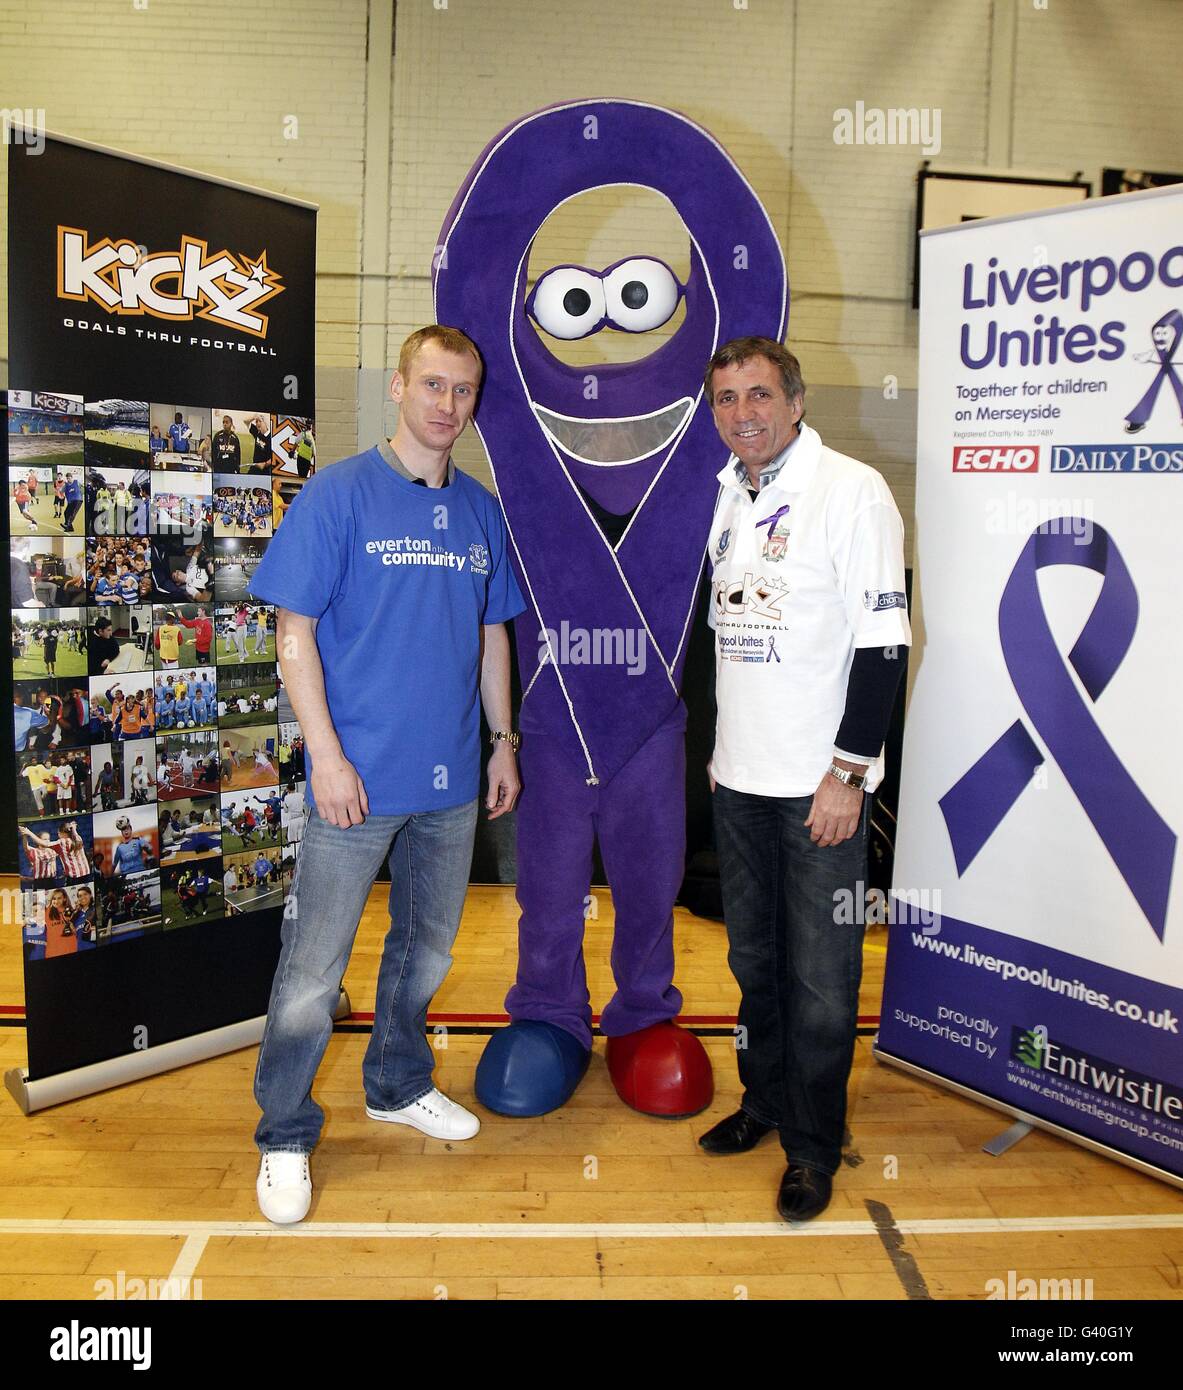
pixel 495 695
pixel 303 675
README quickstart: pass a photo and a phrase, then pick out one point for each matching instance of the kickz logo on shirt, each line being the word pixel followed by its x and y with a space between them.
pixel 753 594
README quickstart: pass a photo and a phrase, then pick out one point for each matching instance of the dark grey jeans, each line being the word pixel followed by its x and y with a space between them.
pixel 795 920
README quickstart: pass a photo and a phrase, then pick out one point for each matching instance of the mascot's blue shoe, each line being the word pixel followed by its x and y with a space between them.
pixel 530 1068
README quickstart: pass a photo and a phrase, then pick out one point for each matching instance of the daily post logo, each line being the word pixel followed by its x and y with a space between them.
pixel 178 286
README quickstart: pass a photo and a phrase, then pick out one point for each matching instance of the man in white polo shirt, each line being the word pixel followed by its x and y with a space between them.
pixel 809 612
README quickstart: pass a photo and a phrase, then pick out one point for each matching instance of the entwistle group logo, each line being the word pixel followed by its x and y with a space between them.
pixel 1033 1048
pixel 124 278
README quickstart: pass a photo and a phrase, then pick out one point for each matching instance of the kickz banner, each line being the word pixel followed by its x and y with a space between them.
pixel 130 268
pixel 1036 803
pixel 160 423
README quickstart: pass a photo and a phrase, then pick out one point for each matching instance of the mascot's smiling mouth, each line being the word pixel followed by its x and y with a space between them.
pixel 614 441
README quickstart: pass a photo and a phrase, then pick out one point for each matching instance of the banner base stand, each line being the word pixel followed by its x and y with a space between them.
pixel 1031 1121
pixel 1002 1143
pixel 119 1071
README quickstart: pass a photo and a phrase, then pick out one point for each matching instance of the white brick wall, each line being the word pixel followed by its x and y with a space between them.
pixel 208 85
pixel 1098 84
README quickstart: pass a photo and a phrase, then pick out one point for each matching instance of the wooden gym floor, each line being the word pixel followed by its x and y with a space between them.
pixel 157 1178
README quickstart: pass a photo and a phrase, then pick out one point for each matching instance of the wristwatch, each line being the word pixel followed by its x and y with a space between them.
pixel 500 736
pixel 855 780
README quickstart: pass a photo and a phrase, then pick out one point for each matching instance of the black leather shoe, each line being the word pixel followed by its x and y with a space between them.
pixel 735 1135
pixel 804 1193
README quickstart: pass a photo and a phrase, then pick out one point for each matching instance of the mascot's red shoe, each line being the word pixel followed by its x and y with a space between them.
pixel 661 1070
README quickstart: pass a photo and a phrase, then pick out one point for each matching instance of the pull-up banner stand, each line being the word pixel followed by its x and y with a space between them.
pixel 1036 955
pixel 161 331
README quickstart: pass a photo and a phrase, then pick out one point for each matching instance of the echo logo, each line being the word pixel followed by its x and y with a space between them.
pixel 1002 458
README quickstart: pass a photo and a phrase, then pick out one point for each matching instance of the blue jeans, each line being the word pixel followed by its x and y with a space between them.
pixel 795 924
pixel 429 859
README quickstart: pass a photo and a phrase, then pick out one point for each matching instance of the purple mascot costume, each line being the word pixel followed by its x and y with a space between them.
pixel 608 480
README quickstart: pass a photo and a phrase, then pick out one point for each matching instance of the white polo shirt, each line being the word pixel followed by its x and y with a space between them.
pixel 801 577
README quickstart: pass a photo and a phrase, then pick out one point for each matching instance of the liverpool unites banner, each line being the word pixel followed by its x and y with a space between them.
pixel 159 424
pixel 1037 951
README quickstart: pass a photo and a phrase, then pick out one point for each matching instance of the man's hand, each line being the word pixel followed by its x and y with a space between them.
pixel 834 815
pixel 338 792
pixel 504 782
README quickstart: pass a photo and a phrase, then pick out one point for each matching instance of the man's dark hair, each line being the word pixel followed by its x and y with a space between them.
pixel 101 623
pixel 741 350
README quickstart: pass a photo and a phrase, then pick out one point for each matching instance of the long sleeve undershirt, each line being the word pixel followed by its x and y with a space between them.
pixel 870 696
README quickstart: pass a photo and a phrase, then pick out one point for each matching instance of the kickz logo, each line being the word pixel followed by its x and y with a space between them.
pixel 1003 458
pixel 752 594
pixel 181 285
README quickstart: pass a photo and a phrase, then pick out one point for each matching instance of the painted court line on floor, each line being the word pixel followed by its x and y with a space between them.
pixel 585 1230
pixel 191 1253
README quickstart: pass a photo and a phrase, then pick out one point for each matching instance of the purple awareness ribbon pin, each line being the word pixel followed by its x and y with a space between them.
pixel 1139 841
pixel 770 521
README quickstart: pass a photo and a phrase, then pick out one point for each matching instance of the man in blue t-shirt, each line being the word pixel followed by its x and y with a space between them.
pixel 26 720
pixel 73 501
pixel 132 853
pixel 180 434
pixel 390 573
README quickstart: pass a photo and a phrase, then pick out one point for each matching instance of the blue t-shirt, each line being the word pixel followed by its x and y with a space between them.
pixel 129 856
pixel 401 578
pixel 178 437
pixel 25 721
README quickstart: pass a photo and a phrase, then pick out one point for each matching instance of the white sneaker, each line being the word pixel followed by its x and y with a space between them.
pixel 284 1187
pixel 434 1114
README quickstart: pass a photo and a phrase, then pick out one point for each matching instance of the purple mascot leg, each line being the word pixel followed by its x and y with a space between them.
pixel 556 809
pixel 642 829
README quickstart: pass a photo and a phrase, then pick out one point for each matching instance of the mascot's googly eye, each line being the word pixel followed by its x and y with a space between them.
pixel 568 302
pixel 640 294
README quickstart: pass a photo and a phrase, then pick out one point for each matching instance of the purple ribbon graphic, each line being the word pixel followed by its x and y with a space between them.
pixel 1165 334
pixel 1140 842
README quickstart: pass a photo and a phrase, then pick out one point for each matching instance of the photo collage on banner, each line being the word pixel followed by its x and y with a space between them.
pixel 160 770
